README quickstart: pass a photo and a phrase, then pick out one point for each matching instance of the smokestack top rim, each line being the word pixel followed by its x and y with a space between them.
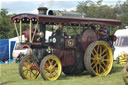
pixel 42 8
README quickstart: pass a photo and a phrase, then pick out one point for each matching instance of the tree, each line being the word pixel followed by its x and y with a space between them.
pixel 6 28
pixel 98 10
pixel 121 11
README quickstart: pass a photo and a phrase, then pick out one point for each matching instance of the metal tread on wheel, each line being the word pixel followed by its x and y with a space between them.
pixel 98 58
pixel 50 67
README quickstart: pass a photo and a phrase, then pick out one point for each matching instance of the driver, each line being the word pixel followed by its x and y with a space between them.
pixel 104 33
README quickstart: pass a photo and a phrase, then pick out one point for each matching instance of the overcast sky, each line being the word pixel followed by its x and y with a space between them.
pixel 30 6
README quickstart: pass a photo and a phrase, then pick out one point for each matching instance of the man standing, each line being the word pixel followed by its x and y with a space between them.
pixel 104 33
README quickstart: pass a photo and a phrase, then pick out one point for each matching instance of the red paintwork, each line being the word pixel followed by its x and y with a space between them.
pixel 35 67
pixel 62 19
pixel 88 36
pixel 21 16
pixel 26 34
pixel 67 57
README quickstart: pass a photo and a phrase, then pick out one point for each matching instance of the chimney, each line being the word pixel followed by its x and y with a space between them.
pixel 42 10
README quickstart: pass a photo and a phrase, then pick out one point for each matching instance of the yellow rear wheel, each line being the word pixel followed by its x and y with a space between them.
pixel 25 68
pixel 50 67
pixel 98 58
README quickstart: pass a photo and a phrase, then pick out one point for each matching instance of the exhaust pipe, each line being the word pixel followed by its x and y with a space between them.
pixel 63 13
pixel 42 10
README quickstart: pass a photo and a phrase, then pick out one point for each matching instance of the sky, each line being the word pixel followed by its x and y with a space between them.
pixel 30 6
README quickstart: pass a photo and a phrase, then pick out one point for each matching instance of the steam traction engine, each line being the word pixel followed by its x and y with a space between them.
pixel 63 50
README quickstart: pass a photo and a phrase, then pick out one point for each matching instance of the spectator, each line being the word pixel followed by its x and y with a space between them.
pixel 19 57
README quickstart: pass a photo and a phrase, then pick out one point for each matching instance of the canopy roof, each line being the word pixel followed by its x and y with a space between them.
pixel 25 17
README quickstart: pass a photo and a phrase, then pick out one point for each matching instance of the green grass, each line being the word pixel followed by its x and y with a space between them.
pixel 10 76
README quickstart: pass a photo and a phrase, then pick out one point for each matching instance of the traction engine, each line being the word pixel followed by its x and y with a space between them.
pixel 63 41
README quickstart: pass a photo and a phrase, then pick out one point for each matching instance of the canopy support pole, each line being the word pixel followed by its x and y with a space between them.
pixel 35 31
pixel 16 30
pixel 30 31
pixel 20 31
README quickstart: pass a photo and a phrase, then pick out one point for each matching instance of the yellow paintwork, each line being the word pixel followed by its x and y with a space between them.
pixel 27 72
pixel 52 68
pixel 123 58
pixel 101 59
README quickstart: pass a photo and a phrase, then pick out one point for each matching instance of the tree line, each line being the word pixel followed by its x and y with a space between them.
pixel 91 9
pixel 99 10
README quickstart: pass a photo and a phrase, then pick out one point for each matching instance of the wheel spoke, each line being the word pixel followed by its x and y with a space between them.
pixel 93 54
pixel 45 72
pixel 98 48
pixel 106 59
pixel 24 70
pixel 54 65
pixel 33 73
pixel 104 63
pixel 103 68
pixel 96 69
pixel 95 65
pixel 55 68
pixel 104 55
pixel 52 75
pixel 104 51
pixel 30 74
pixel 49 75
pixel 99 67
pixel 93 62
pixel 93 58
pixel 55 72
pixel 95 51
pixel 49 62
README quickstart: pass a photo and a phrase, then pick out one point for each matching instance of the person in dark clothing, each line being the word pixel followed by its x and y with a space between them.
pixel 104 33
pixel 19 57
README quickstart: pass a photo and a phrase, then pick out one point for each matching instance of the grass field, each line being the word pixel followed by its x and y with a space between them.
pixel 10 76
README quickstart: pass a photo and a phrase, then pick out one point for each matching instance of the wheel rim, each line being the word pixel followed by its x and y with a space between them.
pixel 101 59
pixel 51 68
pixel 26 71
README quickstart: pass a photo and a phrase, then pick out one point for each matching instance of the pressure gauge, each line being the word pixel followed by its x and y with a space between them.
pixel 51 40
pixel 54 40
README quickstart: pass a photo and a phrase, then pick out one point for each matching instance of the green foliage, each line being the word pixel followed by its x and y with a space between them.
pixel 99 10
pixel 6 28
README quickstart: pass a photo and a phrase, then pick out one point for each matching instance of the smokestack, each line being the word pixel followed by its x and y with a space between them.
pixel 42 10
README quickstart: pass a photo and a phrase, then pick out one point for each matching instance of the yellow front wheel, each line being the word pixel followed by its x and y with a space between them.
pixel 50 67
pixel 98 58
pixel 26 68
